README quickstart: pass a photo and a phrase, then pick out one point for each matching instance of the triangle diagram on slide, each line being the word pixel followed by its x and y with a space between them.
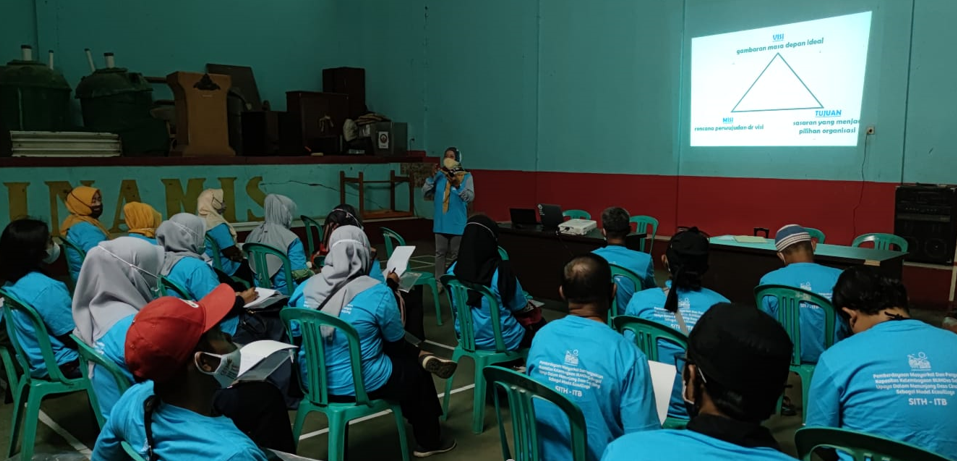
pixel 777 87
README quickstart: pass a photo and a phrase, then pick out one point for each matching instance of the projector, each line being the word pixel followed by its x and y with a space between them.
pixel 577 226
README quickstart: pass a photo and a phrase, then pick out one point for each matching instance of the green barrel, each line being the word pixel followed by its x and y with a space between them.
pixel 117 101
pixel 33 97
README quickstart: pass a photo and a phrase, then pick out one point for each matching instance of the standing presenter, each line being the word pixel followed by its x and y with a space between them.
pixel 452 189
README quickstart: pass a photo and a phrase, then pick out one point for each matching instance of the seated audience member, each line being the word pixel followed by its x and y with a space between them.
pixel 681 303
pixel 210 206
pixel 735 371
pixel 479 262
pixel 621 400
pixel 142 221
pixel 26 247
pixel 118 278
pixel 182 236
pixel 389 363
pixel 615 227
pixel 274 231
pixel 345 215
pixel 857 383
pixel 175 347
pixel 82 227
pixel 796 250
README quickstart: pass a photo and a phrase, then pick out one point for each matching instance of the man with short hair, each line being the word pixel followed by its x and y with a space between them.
pixel 616 227
pixel 176 347
pixel 618 398
pixel 734 372
pixel 796 251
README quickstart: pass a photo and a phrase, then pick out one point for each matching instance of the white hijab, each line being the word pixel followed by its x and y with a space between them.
pixel 182 236
pixel 274 231
pixel 117 279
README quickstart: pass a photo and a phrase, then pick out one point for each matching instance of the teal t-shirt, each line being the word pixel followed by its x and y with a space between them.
pixel 376 317
pixel 198 279
pixel 86 236
pixel 220 234
pixel 650 305
pixel 450 222
pixel 897 380
pixel 512 331
pixel 601 372
pixel 178 433
pixel 816 279
pixel 684 445
pixel 51 300
pixel 297 261
pixel 112 345
pixel 636 261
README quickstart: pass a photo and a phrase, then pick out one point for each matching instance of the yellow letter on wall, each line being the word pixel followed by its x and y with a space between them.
pixel 129 192
pixel 176 200
pixel 256 195
pixel 17 193
pixel 228 185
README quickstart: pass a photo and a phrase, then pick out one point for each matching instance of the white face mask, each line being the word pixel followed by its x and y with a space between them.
pixel 228 369
pixel 52 254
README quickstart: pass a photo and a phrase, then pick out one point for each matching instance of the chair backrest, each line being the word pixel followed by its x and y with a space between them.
pixel 458 292
pixel 648 333
pixel 134 456
pixel 257 254
pixel 816 234
pixel 862 447
pixel 882 241
pixel 392 240
pixel 90 355
pixel 70 246
pixel 503 254
pixel 576 214
pixel 11 304
pixel 646 225
pixel 168 288
pixel 618 273
pixel 521 392
pixel 217 253
pixel 310 325
pixel 312 225
pixel 789 301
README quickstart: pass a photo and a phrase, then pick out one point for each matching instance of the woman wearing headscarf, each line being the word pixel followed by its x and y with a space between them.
pixel 274 231
pixel 344 215
pixel 182 237
pixel 142 221
pixel 452 189
pixel 82 228
pixel 210 206
pixel 480 263
pixel 389 364
pixel 118 278
pixel 680 303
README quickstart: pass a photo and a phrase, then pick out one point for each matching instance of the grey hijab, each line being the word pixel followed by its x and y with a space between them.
pixel 274 231
pixel 343 276
pixel 182 236
pixel 117 279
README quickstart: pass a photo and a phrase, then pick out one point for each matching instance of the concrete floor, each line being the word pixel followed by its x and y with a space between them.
pixel 67 424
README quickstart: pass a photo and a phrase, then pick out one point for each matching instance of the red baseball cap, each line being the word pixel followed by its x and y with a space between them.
pixel 165 332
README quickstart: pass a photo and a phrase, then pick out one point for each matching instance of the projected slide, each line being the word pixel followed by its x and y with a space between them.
pixel 795 84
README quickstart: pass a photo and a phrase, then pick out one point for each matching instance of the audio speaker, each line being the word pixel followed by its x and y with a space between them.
pixel 927 217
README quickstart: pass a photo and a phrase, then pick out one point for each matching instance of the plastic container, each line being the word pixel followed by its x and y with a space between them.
pixel 33 97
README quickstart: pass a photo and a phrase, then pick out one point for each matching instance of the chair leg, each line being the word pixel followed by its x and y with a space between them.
pixel 30 424
pixel 805 388
pixel 456 356
pixel 478 398
pixel 19 399
pixel 301 414
pixel 337 437
pixel 400 428
pixel 435 300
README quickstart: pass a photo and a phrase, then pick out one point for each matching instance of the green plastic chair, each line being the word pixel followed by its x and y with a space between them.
pixel 521 392
pixel 392 240
pixel 789 301
pixel 317 392
pixel 91 356
pixel 6 358
pixel 217 252
pixel 311 225
pixel 168 287
pixel 70 246
pixel 458 292
pixel 618 273
pixel 257 254
pixel 816 234
pixel 861 446
pixel 30 390
pixel 576 214
pixel 503 254
pixel 134 456
pixel 647 334
pixel 642 225
pixel 882 241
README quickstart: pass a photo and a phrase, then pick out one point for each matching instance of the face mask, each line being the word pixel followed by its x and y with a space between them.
pixel 450 163
pixel 96 211
pixel 52 254
pixel 690 405
pixel 228 369
pixel 220 207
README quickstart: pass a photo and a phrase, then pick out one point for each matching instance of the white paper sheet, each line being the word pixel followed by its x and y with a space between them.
pixel 264 295
pixel 399 261
pixel 663 381
pixel 260 358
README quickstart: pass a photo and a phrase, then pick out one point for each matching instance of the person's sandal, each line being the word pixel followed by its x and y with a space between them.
pixel 438 366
